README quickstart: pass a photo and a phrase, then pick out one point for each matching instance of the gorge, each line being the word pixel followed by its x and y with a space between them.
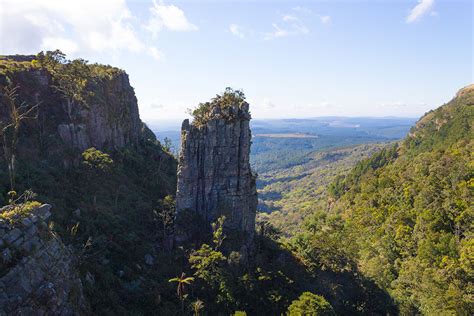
pixel 374 229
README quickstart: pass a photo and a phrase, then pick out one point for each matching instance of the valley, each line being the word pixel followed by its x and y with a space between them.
pixel 358 216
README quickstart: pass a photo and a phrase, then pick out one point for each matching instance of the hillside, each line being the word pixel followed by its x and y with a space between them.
pixel 287 196
pixel 404 216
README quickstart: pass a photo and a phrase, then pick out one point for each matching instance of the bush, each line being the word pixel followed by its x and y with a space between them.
pixel 204 112
pixel 16 213
pixel 310 304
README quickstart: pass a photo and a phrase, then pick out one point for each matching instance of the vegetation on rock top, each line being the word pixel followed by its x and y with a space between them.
pixel 227 105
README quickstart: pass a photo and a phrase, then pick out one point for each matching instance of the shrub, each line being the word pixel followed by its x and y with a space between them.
pixel 310 304
pixel 16 213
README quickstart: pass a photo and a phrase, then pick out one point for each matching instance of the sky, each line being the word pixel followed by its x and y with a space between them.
pixel 293 59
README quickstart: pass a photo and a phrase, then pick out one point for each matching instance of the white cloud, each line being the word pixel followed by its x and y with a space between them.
pixel 325 19
pixel 326 105
pixel 157 106
pixel 396 104
pixel 289 25
pixel 67 46
pixel 277 32
pixel 168 17
pixel 80 27
pixel 68 25
pixel 419 10
pixel 289 17
pixel 293 23
pixel 267 104
pixel 155 53
pixel 301 10
pixel 237 30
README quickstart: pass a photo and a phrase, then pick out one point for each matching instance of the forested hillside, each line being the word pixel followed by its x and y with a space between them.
pixel 404 217
pixel 287 196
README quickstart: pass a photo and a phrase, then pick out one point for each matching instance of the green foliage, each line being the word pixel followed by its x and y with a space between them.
pixel 76 80
pixel 167 145
pixel 97 160
pixel 310 304
pixel 224 102
pixel 378 160
pixel 218 232
pixel 9 131
pixel 182 281
pixel 19 207
pixel 290 195
pixel 197 306
pixel 404 216
pixel 10 66
pixel 16 213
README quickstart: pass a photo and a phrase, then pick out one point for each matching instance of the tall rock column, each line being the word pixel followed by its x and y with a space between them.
pixel 214 175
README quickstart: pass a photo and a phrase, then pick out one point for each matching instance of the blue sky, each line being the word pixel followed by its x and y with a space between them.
pixel 291 58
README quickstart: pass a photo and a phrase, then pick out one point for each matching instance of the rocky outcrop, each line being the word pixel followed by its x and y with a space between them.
pixel 37 273
pixel 107 117
pixel 214 174
pixel 112 122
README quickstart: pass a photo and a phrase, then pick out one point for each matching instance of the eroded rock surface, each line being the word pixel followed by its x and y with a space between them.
pixel 214 174
pixel 37 271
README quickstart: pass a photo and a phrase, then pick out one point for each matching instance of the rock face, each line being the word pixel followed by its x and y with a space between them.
pixel 37 274
pixel 108 119
pixel 110 124
pixel 214 175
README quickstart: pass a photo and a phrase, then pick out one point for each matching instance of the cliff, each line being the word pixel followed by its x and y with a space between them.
pixel 109 195
pixel 37 272
pixel 80 105
pixel 214 175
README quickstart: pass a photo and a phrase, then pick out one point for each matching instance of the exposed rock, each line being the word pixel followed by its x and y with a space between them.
pixel 37 272
pixel 108 120
pixel 466 90
pixel 113 124
pixel 214 174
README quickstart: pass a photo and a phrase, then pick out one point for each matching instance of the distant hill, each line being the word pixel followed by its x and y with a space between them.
pixel 284 143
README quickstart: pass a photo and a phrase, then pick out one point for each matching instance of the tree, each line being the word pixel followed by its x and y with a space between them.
pixel 97 160
pixel 197 306
pixel 9 130
pixel 218 232
pixel 310 304
pixel 71 78
pixel 167 145
pixel 180 290
pixel 97 164
pixel 166 212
